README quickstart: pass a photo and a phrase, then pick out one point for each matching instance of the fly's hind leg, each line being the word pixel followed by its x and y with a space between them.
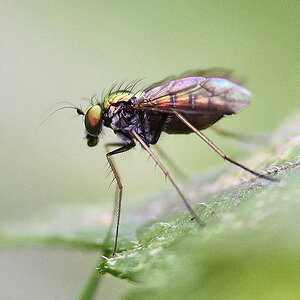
pixel 219 151
pixel 119 191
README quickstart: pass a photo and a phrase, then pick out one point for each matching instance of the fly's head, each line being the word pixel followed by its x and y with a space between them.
pixel 108 107
pixel 93 121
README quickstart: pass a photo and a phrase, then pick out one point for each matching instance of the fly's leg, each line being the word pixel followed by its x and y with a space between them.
pixel 217 150
pixel 164 170
pixel 108 236
pixel 118 199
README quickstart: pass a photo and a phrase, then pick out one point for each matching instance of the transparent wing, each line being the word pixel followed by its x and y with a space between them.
pixel 197 95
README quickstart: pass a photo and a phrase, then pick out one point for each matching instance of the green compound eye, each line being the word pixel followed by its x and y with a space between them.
pixel 93 120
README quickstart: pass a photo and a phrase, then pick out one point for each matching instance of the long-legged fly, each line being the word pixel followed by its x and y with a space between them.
pixel 180 106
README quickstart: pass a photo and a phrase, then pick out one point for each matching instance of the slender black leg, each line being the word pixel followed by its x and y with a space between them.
pixel 118 200
pixel 158 162
pixel 108 236
pixel 217 150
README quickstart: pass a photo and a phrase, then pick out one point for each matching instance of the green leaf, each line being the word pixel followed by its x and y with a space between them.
pixel 250 251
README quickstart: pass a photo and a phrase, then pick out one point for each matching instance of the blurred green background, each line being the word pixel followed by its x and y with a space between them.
pixel 54 51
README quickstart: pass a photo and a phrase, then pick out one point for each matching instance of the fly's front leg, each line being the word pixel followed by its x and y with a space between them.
pixel 108 236
pixel 118 200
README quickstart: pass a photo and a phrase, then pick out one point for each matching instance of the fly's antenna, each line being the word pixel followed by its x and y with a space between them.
pixel 78 110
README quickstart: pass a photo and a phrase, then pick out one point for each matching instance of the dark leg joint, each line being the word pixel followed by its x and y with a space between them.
pixel 198 220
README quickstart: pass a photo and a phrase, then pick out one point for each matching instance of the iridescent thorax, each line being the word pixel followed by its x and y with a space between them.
pixel 114 98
